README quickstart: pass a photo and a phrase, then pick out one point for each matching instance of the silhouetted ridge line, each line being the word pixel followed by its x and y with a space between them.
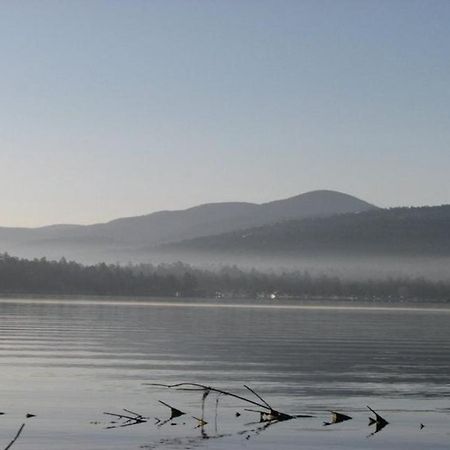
pixel 133 236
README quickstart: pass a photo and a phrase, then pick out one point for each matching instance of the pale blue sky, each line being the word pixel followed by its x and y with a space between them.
pixel 119 108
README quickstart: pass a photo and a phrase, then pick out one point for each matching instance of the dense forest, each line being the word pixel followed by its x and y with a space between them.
pixel 397 231
pixel 41 276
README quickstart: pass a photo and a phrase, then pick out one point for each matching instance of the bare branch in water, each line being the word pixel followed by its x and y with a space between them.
pixel 209 388
pixel 127 420
pixel 271 414
pixel 253 392
pixel 15 437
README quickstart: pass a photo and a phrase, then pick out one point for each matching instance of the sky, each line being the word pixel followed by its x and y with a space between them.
pixel 120 108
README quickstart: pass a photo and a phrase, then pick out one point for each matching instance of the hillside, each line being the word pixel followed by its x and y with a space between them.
pixel 398 231
pixel 127 238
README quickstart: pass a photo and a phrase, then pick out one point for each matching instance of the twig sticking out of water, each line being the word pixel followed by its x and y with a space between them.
pixel 15 437
pixel 204 395
pixel 174 412
pixel 257 395
pixel 380 422
pixel 378 418
pixel 201 422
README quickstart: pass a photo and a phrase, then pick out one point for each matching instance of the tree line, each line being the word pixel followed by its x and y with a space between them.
pixel 46 277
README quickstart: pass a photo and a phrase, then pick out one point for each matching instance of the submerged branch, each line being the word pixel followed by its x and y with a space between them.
pixel 19 432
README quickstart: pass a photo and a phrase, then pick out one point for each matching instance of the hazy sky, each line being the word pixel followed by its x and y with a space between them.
pixel 117 108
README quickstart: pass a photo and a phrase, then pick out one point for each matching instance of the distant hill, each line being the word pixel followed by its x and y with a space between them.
pixel 127 238
pixel 421 231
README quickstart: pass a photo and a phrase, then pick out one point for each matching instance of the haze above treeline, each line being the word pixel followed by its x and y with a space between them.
pixel 43 277
pixel 324 232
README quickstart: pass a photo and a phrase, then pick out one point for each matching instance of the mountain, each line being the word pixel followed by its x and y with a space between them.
pixel 423 231
pixel 216 218
pixel 127 238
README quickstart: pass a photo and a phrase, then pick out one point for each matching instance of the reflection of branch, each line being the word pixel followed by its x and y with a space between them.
pixel 15 437
pixel 256 431
pixel 216 412
pixel 194 442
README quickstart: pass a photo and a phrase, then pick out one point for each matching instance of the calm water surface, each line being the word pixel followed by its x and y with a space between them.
pixel 70 361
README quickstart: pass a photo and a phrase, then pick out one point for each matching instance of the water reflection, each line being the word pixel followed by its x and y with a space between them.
pixel 70 361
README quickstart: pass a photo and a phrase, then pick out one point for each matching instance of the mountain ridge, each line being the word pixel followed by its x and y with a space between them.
pixel 130 237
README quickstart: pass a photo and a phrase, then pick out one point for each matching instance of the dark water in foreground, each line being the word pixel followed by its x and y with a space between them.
pixel 69 361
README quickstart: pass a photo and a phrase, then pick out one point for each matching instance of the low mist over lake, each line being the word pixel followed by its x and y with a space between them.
pixel 322 232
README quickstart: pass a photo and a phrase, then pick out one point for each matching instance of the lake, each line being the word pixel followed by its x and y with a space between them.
pixel 69 361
